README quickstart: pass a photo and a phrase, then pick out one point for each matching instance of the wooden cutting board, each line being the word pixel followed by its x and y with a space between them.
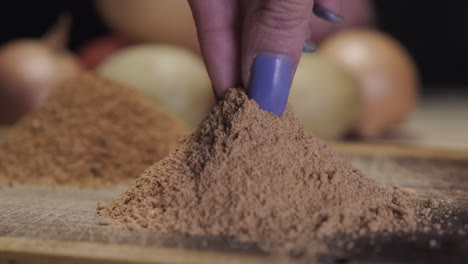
pixel 59 225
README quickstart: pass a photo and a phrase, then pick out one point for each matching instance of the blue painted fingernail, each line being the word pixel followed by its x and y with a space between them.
pixel 270 81
pixel 327 15
pixel 309 47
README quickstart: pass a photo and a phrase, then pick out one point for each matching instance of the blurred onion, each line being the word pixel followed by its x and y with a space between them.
pixel 388 78
pixel 31 68
pixel 173 77
pixel 324 97
pixel 166 21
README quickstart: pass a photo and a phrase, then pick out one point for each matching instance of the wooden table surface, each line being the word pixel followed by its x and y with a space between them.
pixel 59 225
pixel 439 121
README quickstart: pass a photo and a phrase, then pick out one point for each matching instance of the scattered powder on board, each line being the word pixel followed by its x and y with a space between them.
pixel 90 132
pixel 254 177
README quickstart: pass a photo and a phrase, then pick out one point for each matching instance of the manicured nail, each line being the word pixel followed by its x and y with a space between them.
pixel 309 47
pixel 216 97
pixel 327 15
pixel 270 82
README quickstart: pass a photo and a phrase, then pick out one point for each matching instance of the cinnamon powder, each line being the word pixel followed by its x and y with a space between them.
pixel 90 132
pixel 255 177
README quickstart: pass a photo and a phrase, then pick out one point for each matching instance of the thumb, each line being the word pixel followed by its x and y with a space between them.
pixel 274 32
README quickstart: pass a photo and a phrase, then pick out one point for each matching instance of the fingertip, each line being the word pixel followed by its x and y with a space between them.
pixel 327 15
pixel 309 46
pixel 336 6
pixel 217 27
pixel 271 80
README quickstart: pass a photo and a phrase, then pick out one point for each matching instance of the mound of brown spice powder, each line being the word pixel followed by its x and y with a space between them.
pixel 255 177
pixel 90 132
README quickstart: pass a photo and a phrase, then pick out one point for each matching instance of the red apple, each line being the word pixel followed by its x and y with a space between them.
pixel 97 50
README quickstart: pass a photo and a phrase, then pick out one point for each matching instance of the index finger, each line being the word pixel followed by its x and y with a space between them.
pixel 217 23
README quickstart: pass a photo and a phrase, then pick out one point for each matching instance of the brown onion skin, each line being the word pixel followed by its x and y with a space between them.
pixel 29 70
pixel 387 76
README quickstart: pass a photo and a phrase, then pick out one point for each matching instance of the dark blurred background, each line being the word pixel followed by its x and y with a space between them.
pixel 434 32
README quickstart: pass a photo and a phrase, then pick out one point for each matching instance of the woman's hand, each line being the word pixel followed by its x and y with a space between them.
pixel 257 43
